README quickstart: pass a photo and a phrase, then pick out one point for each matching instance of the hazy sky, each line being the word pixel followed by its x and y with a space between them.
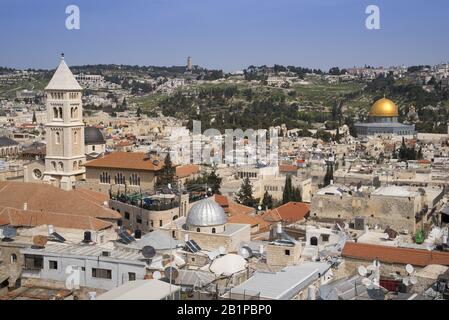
pixel 225 34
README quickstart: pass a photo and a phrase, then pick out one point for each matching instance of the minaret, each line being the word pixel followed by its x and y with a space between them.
pixel 65 158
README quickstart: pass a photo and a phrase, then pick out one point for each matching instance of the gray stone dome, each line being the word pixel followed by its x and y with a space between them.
pixel 93 135
pixel 206 213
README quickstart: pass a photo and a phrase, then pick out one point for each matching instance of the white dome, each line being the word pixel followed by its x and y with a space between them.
pixel 206 213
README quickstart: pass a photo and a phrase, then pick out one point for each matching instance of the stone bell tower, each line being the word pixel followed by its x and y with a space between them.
pixel 65 158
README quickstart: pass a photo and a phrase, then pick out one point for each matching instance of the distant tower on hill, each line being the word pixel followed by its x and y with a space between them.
pixel 189 64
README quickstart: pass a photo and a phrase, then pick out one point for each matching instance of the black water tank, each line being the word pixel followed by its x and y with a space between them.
pixel 137 234
pixel 87 236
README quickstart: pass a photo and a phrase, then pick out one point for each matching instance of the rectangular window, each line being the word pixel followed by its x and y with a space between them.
pixel 287 252
pixel 160 223
pixel 139 220
pixel 127 215
pixel 152 223
pixel 131 276
pixel 33 262
pixel 53 265
pixel 325 237
pixel 101 273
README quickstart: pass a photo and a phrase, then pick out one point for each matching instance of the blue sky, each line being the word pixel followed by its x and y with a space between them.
pixel 225 34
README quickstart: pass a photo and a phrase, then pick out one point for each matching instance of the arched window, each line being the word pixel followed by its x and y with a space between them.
pixel 60 112
pixel 175 217
pixel 134 179
pixel 57 137
pixel 75 137
pixel 314 241
pixel 53 165
pixel 72 113
pixel 198 229
pixel 75 165
pixel 13 258
pixel 213 230
pixel 55 113
pixel 61 166
pixel 75 112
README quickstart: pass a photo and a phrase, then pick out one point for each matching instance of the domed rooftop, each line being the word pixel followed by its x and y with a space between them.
pixel 384 108
pixel 206 213
pixel 93 135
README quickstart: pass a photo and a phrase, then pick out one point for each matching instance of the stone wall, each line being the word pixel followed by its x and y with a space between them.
pixel 396 212
pixel 283 255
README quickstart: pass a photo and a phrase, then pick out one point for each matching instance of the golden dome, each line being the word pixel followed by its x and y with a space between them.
pixel 384 108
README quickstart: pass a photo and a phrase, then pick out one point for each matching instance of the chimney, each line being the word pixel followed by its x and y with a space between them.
pixel 50 229
pixel 186 237
pixel 332 182
pixel 279 228
pixel 25 206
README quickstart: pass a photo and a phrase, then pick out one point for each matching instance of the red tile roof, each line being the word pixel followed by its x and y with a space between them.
pixel 125 160
pixel 44 197
pixel 388 254
pixel 287 168
pixel 187 170
pixel 20 218
pixel 289 212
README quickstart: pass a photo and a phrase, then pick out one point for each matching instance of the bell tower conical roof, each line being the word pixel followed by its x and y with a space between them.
pixel 63 79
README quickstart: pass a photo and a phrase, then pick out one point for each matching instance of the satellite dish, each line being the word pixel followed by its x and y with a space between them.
pixel 406 281
pixel 246 252
pixel 386 236
pixel 413 280
pixel 157 275
pixel 156 162
pixel 259 208
pixel 171 271
pixel 409 268
pixel 9 232
pixel 148 252
pixel 39 241
pixel 362 271
pixel 222 250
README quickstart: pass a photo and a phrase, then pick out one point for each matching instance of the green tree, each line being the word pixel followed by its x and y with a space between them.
pixel 167 174
pixel 267 201
pixel 287 195
pixel 214 182
pixel 329 174
pixel 245 195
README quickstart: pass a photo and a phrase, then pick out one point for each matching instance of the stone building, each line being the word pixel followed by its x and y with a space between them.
pixel 116 172
pixel 393 206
